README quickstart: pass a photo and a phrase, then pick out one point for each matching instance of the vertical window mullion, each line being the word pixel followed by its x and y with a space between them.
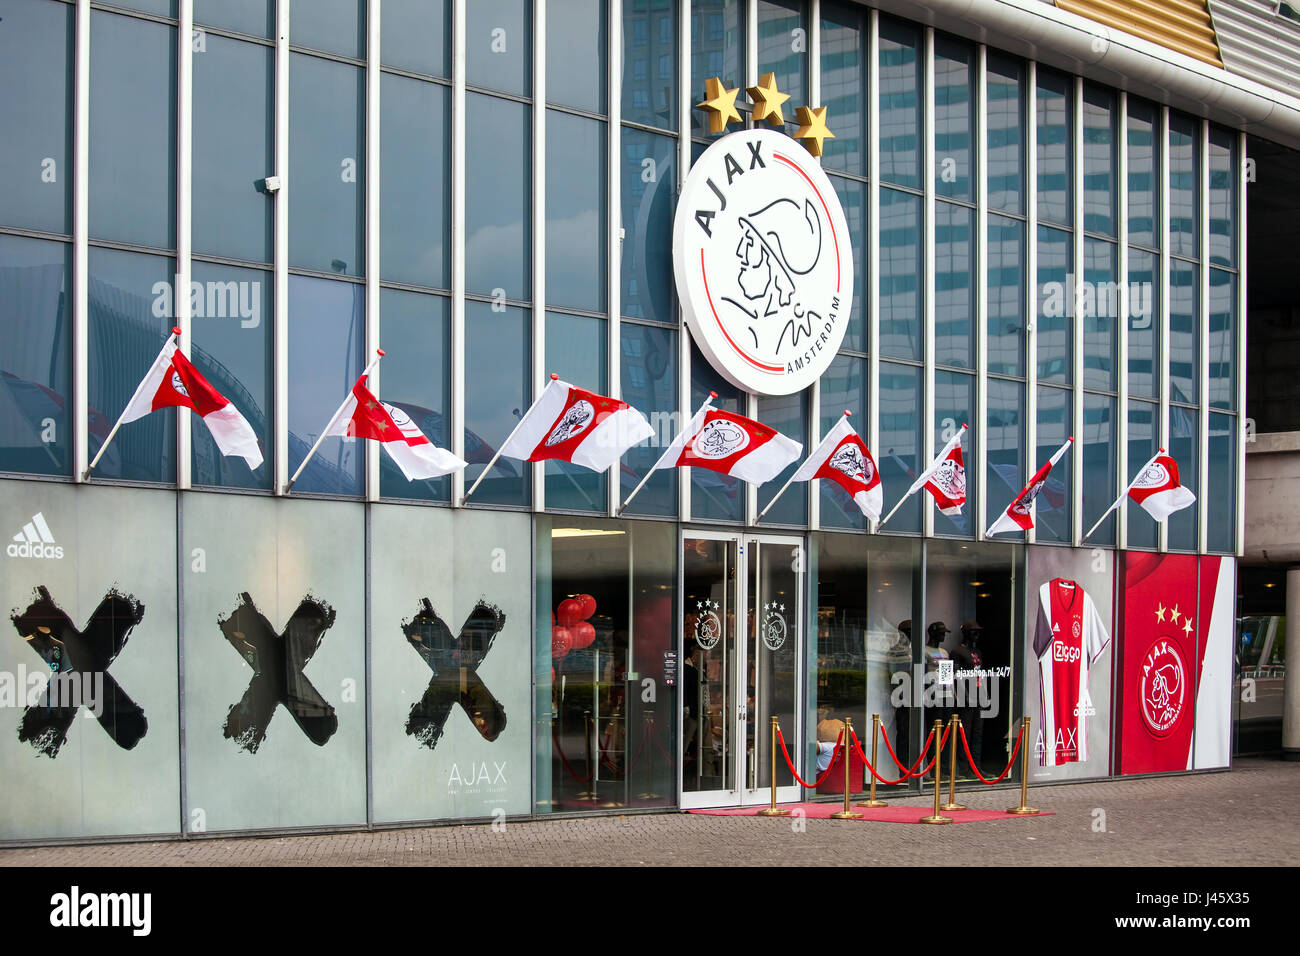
pixel 980 265
pixel 184 180
pixel 1074 169
pixel 81 245
pixel 871 297
pixel 926 100
pixel 457 344
pixel 1240 193
pixel 1031 266
pixel 1163 225
pixel 371 228
pixel 684 107
pixel 1121 328
pixel 1203 332
pixel 281 265
pixel 534 389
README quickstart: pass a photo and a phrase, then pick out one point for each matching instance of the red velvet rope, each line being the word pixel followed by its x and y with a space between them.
pixel 857 748
pixel 911 772
pixel 555 739
pixel 943 742
pixel 970 760
pixel 811 786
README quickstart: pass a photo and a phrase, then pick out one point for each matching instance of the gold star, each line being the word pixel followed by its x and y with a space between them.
pixel 1173 615
pixel 382 426
pixel 812 128
pixel 1160 613
pixel 720 103
pixel 767 100
pixel 1187 626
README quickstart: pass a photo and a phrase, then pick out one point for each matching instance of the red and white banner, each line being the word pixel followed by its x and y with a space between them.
pixel 733 445
pixel 571 424
pixel 364 416
pixel 172 381
pixel 1158 490
pixel 1019 515
pixel 945 479
pixel 844 459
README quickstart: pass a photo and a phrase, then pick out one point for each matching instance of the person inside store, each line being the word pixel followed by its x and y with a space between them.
pixel 690 704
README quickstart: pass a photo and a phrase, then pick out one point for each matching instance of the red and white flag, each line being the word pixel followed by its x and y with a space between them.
pixel 1157 489
pixel 844 459
pixel 173 381
pixel 571 424
pixel 945 479
pixel 1018 515
pixel 364 416
pixel 731 444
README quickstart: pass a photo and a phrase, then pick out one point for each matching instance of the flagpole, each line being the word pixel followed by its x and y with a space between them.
pixel 1056 456
pixel 925 476
pixel 846 414
pixel 176 331
pixel 1116 502
pixel 707 402
pixel 324 434
pixel 483 474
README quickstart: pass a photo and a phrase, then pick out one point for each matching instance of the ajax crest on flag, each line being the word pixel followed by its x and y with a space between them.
pixel 720 438
pixel 1155 475
pixel 577 418
pixel 763 262
pixel 850 460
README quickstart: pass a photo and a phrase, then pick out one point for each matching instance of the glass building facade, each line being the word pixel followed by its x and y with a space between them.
pixel 486 190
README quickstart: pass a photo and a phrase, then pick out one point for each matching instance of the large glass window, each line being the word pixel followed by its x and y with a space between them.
pixel 717 49
pixel 900 275
pixel 1100 315
pixel 954 119
pixel 1223 340
pixel 1143 163
pixel 416 377
pixel 254 17
pixel 416 36
pixel 231 345
pixel 498 221
pixel 954 285
pixel 498 46
pixel 1005 435
pixel 1221 530
pixel 1184 177
pixel 327 329
pixel 36 357
pixel 900 103
pixel 1006 134
pixel 714 495
pixel 326 165
pixel 576 351
pixel 853 200
pixel 335 26
pixel 1052 508
pixel 1184 431
pixel 1143 441
pixel 1184 278
pixel 844 387
pixel 1143 324
pixel 415 198
pixel 576 212
pixel 844 87
pixel 648 197
pixel 783 48
pixel 498 346
pixel 36 149
pixel 650 63
pixel 234 149
pixel 788 414
pixel 648 372
pixel 1099 161
pixel 1055 183
pixel 1056 305
pixel 1223 197
pixel 1099 462
pixel 954 406
pixel 899 455
pixel 132 130
pixel 577 48
pixel 126 332
pixel 1006 296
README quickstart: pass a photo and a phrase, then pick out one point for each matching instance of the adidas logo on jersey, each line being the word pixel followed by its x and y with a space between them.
pixel 1056 628
pixel 34 541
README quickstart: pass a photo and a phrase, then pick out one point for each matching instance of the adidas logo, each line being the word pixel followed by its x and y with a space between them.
pixel 34 541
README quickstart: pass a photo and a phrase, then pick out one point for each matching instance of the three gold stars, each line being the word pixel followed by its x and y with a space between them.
pixel 720 104
pixel 767 100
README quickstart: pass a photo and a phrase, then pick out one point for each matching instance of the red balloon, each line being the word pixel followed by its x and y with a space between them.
pixel 588 605
pixel 561 642
pixel 583 634
pixel 569 612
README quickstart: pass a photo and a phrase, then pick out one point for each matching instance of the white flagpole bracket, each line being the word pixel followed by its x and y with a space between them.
pixel 333 419
pixel 176 331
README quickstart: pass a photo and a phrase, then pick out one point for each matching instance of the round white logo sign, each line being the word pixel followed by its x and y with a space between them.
pixel 763 262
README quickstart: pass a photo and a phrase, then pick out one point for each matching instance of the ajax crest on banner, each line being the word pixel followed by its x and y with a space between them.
pixel 763 262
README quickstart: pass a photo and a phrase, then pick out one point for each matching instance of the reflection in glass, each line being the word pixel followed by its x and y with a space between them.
pixel 1183 341
pixel 1099 160
pixel 415 166
pixel 1143 161
pixel 1056 301
pixel 234 149
pixel 710 657
pixel 900 275
pixel 1183 447
pixel 954 286
pixel 576 211
pixel 1099 315
pixel 254 17
pixel 334 26
pixel 498 45
pixel 780 31
pixel 231 346
pixel 899 455
pixel 1099 462
pixel 1223 197
pixel 900 103
pixel 713 494
pixel 416 377
pixel 36 358
pixel 575 350
pixel 650 63
pixel 132 131
pixel 853 200
pixel 1006 133
pixel 1005 435
pixel 954 119
pixel 1221 529
pixel 843 386
pixel 498 194
pixel 327 328
pixel 416 36
pixel 1055 192
pixel 1143 435
pixel 577 48
pixel 1223 343
pixel 649 384
pixel 1184 175
pixel 1006 296
pixel 326 165
pixel 954 406
pixel 1052 508
pixel 1143 324
pixel 788 414
pixel 498 347
pixel 844 80
pixel 717 49
pixel 35 57
pixel 648 197
pixel 125 336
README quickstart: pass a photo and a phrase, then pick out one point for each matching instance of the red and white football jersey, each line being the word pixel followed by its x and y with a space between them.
pixel 1067 639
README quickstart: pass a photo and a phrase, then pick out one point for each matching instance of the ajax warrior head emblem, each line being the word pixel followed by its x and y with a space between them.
pixel 1022 506
pixel 1153 476
pixel 850 460
pixel 1161 687
pixel 774 626
pixel 951 478
pixel 719 438
pixel 577 418
pixel 708 626
pixel 178 385
pixel 763 262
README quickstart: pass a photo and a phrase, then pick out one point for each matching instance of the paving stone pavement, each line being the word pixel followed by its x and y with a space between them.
pixel 1245 817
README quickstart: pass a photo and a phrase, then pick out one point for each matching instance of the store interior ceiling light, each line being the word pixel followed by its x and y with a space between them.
pixel 582 532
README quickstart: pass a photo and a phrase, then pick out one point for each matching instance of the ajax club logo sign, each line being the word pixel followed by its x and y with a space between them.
pixel 1163 678
pixel 763 264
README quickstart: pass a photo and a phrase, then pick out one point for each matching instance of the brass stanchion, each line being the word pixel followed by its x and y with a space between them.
pixel 1024 809
pixel 648 729
pixel 774 810
pixel 937 817
pixel 591 774
pixel 846 813
pixel 954 728
pixel 871 802
pixel 613 734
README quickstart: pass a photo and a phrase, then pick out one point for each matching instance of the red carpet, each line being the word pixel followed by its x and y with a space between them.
pixel 894 813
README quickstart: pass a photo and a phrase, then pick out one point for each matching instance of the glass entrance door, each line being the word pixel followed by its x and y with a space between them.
pixel 742 635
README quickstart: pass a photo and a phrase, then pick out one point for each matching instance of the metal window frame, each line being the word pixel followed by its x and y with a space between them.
pixel 1239 188
pixel 280 260
pixel 1030 119
pixel 1162 531
pixel 684 140
pixel 980 253
pixel 538 343
pixel 926 104
pixel 81 244
pixel 459 56
pixel 371 232
pixel 1203 335
pixel 614 233
pixel 1075 166
pixel 871 296
pixel 1122 325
